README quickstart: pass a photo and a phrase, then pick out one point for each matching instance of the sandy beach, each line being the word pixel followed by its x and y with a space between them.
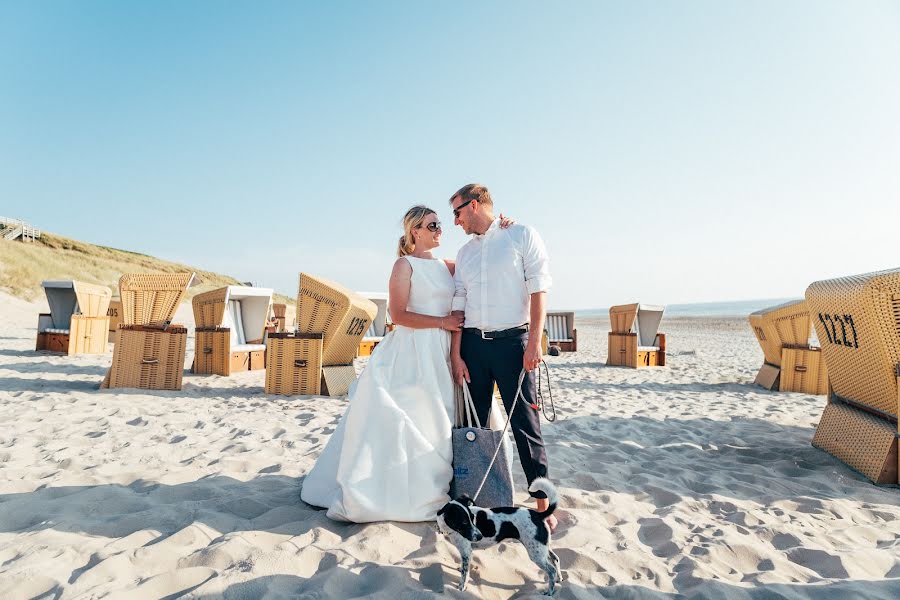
pixel 683 481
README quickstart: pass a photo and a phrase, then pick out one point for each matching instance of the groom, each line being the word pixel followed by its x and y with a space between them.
pixel 502 278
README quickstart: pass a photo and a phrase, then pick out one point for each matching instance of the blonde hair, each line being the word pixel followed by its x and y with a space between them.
pixel 412 219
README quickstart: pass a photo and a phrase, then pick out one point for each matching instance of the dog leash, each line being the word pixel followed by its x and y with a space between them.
pixel 503 434
pixel 539 393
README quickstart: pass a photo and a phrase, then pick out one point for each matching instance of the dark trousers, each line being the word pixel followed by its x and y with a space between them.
pixel 501 361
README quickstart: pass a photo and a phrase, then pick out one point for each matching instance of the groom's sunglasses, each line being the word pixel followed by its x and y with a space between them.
pixel 433 226
pixel 459 208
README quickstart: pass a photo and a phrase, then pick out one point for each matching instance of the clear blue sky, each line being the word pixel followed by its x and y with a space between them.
pixel 668 152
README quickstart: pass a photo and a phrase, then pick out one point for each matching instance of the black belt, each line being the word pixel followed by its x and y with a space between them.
pixel 496 335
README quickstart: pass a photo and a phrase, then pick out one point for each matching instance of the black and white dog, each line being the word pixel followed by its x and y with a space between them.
pixel 470 526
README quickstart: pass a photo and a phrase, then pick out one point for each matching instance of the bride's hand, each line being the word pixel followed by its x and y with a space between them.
pixel 452 322
pixel 506 222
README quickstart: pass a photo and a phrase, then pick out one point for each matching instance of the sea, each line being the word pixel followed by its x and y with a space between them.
pixel 738 308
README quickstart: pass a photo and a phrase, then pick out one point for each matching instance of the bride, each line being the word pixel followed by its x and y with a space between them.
pixel 390 456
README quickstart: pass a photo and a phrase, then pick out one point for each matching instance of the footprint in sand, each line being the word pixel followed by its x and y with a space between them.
pixel 656 534
pixel 824 564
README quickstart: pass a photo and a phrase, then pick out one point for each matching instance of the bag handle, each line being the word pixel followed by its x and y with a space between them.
pixel 468 413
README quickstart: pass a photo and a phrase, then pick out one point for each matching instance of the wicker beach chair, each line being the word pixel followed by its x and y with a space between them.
pixel 77 321
pixel 380 324
pixel 635 340
pixel 857 320
pixel 791 363
pixel 149 350
pixel 295 364
pixel 231 323
pixel 561 331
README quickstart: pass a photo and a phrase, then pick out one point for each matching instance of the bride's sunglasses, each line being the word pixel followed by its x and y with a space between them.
pixel 433 226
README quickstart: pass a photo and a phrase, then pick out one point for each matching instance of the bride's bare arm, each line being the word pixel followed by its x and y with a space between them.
pixel 399 286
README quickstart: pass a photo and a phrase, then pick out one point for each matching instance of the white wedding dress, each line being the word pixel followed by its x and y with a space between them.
pixel 390 456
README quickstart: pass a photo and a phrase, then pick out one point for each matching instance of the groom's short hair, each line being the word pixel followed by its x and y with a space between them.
pixel 473 191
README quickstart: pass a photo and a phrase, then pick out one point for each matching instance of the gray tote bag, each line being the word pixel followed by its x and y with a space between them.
pixel 473 448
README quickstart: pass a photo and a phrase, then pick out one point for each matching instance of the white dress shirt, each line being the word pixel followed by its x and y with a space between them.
pixel 496 273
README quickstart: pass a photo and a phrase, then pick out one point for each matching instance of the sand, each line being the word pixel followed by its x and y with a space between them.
pixel 685 481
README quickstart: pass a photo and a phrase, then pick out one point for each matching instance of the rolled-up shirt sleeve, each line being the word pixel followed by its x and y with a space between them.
pixel 536 262
pixel 459 293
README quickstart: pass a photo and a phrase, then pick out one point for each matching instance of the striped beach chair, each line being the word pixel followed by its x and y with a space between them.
pixel 561 331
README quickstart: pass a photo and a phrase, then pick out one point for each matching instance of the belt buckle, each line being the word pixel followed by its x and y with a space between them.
pixel 483 336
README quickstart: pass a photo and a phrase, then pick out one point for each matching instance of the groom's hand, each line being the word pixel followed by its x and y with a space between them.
pixel 532 357
pixel 460 370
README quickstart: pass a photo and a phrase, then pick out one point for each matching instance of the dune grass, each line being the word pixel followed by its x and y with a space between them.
pixel 24 265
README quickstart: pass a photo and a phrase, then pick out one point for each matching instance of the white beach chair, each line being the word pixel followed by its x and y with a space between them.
pixel 231 324
pixel 77 321
pixel 635 340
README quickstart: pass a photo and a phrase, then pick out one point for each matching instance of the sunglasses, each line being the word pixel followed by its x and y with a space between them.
pixel 433 226
pixel 459 208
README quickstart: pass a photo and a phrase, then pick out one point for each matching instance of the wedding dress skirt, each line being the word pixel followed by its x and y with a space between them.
pixel 390 457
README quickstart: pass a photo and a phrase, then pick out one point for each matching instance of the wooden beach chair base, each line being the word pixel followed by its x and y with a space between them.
pixel 214 354
pixel 863 441
pixel 625 352
pixel 294 364
pixel 147 358
pixel 568 345
pixel 86 335
pixel 802 370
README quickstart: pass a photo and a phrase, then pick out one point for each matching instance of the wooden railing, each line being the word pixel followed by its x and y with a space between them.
pixel 13 229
